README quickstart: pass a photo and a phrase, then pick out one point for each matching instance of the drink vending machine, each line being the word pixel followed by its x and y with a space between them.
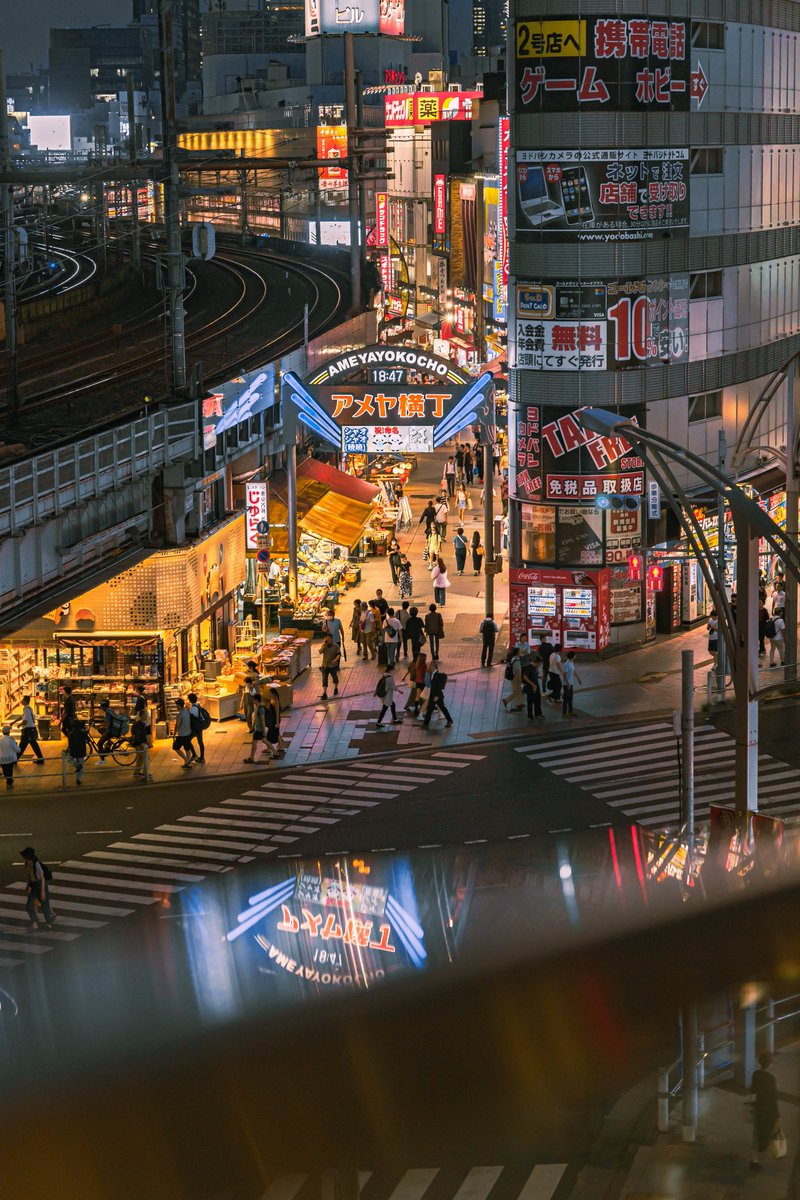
pixel 572 607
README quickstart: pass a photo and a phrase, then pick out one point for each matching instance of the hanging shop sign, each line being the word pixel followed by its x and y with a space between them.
pixel 424 108
pixel 503 142
pixel 598 325
pixel 601 195
pixel 237 400
pixel 440 205
pixel 381 220
pixel 332 144
pixel 256 515
pixel 362 16
pixel 551 457
pixel 595 64
pixel 402 398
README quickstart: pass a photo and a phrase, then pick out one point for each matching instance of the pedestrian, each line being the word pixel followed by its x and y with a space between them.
pixel 78 747
pixel 182 734
pixel 331 661
pixel 461 502
pixel 513 676
pixel 334 626
pixel 139 741
pixel 272 727
pixel 442 512
pixel 143 712
pixel 369 631
pixel 763 618
pixel 546 648
pixel 394 560
pixel 355 626
pixel 29 732
pixel 712 629
pixel 440 582
pixel 459 462
pixel 778 599
pixel 251 692
pixel 68 710
pixel 432 546
pixel 415 630
pixel 9 753
pixel 428 516
pixel 276 701
pixel 477 455
pixel 488 630
pixel 199 720
pixel 436 687
pixel 532 685
pixel 776 630
pixel 380 602
pixel 37 888
pixel 415 674
pixel 261 720
pixel 391 636
pixel 469 466
pixel 504 497
pixel 434 628
pixel 406 582
pixel 554 676
pixel 478 552
pixel 460 546
pixel 385 690
pixel 766 1114
pixel 496 458
pixel 402 614
pixel 450 476
pixel 569 675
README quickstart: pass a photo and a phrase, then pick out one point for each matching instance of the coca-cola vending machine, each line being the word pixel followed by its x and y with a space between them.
pixel 572 607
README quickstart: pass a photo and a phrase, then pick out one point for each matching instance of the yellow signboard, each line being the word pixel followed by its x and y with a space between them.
pixel 551 39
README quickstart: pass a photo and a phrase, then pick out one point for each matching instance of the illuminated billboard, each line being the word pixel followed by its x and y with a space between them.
pixel 332 145
pixel 50 133
pixel 423 108
pixel 366 16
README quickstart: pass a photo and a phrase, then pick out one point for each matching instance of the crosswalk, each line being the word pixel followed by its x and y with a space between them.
pixel 272 818
pixel 539 1181
pixel 634 769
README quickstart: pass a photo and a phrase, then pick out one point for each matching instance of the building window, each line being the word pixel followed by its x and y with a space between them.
pixel 705 285
pixel 705 406
pixel 708 35
pixel 707 161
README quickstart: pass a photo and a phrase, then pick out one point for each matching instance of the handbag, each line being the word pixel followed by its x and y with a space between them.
pixel 777 1145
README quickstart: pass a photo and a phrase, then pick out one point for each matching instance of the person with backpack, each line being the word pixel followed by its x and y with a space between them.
pixel 39 876
pixel 78 747
pixel 776 631
pixel 199 719
pixel 438 680
pixel 442 512
pixel 9 753
pixel 391 636
pixel 182 734
pixel 140 743
pixel 331 660
pixel 434 628
pixel 263 723
pixel 29 732
pixel 385 690
pixel 488 630
pixel 460 547
pixel 513 676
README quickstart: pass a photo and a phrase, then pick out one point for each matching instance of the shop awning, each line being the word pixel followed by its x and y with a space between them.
pixel 429 320
pixel 330 504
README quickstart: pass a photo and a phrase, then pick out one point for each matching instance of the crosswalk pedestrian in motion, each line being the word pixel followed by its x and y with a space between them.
pixel 272 818
pixel 539 1181
pixel 634 769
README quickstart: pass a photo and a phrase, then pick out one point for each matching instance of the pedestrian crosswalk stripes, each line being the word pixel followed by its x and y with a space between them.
pixel 635 771
pixel 539 1181
pixel 131 875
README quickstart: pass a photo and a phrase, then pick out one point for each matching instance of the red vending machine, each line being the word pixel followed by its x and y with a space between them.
pixel 571 606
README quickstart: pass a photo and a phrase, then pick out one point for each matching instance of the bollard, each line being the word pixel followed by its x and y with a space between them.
pixel 709 677
pixel 771 1026
pixel 663 1101
pixel 63 768
pixel 147 777
pixel 701 1060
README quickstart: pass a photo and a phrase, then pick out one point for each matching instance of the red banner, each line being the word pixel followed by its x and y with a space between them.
pixel 381 220
pixel 503 140
pixel 332 144
pixel 439 204
pixel 423 108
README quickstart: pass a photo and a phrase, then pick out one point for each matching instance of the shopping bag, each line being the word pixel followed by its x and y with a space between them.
pixel 777 1145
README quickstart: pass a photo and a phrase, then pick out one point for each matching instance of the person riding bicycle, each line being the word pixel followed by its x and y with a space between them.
pixel 111 732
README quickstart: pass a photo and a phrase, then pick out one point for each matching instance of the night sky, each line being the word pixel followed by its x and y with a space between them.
pixel 26 37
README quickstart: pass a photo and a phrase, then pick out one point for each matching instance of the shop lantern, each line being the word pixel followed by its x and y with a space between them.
pixel 655 578
pixel 636 567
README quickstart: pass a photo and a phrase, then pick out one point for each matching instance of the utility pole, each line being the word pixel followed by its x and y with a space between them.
pixel 352 165
pixel 176 272
pixel 792 488
pixel 687 747
pixel 9 249
pixel 721 652
pixel 136 249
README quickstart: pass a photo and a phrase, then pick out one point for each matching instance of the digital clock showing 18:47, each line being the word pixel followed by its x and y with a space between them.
pixel 387 375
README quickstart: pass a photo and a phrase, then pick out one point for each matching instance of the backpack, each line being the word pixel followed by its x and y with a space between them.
pixel 120 723
pixel 769 628
pixel 509 673
pixel 48 874
pixel 441 677
pixel 205 717
pixel 380 690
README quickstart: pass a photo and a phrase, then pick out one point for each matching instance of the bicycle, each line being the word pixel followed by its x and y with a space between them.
pixel 119 748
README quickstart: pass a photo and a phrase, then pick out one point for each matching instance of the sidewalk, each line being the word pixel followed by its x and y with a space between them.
pixel 634 1162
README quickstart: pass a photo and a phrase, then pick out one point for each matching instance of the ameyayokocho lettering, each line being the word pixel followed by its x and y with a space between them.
pixel 396 356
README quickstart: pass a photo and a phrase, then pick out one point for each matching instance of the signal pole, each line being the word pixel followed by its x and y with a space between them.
pixel 352 164
pixel 176 272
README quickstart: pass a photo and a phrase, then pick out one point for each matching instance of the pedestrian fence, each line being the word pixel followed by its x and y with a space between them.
pixel 716 1056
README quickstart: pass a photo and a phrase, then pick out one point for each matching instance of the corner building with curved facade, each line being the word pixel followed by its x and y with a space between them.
pixel 654 266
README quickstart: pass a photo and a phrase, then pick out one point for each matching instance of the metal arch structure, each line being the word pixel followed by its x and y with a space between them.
pixel 750 524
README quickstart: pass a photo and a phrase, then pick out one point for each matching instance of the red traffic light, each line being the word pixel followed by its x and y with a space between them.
pixel 636 567
pixel 655 578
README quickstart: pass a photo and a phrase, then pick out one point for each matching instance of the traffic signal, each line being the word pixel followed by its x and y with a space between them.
pixel 636 567
pixel 655 578
pixel 617 501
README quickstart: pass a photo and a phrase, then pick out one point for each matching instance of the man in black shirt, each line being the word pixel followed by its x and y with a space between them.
pixel 429 517
pixel 546 648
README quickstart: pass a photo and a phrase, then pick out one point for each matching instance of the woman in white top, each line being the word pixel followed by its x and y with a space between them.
pixel 440 582
pixel 461 502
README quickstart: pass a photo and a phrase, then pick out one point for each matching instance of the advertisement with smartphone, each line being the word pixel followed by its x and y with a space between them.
pixel 601 195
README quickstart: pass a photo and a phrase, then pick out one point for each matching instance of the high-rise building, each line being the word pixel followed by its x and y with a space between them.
pixel 489 25
pixel 186 36
pixel 90 65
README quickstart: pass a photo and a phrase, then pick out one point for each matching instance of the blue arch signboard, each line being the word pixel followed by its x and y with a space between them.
pixel 389 398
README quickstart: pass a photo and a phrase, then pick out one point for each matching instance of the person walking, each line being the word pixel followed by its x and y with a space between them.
pixel 406 582
pixel 442 513
pixel 29 732
pixel 78 747
pixel 272 726
pixel 9 753
pixel 477 457
pixel 450 476
pixel 712 628
pixel 260 726
pixel 143 712
pixel 488 630
pixel 69 710
pixel 440 582
pixel 428 517
pixel 415 630
pixel 514 679
pixel 763 618
pixel 331 661
pixel 461 502
pixel 459 462
pixel 776 632
pixel 415 674
pixel 460 546
pixel 478 553
pixel 394 560
pixel 198 720
pixel 380 602
pixel 546 649
pixel 38 892
pixel 554 676
pixel 469 466
pixel 532 685
pixel 250 693
pixel 766 1114
pixel 182 734
pixel 391 636
pixel 496 458
pixel 334 627
pixel 438 680
pixel 569 675
pixel 385 690
pixel 355 626
pixel 369 632
pixel 276 703
pixel 139 741
pixel 434 628
pixel 433 545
